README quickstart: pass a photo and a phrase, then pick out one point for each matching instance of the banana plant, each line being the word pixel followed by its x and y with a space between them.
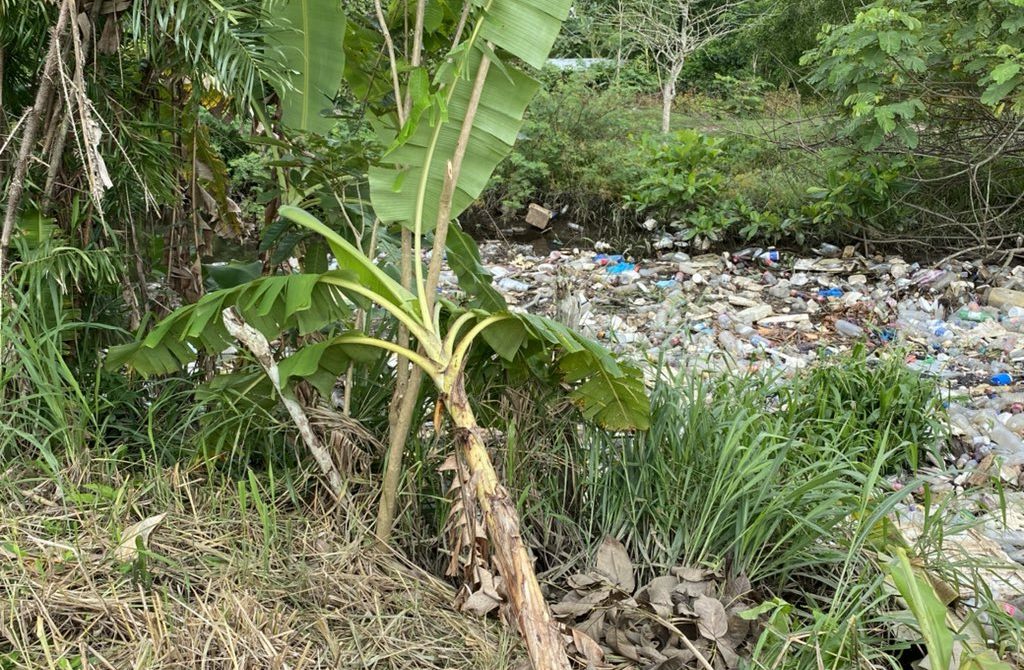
pixel 607 392
pixel 460 123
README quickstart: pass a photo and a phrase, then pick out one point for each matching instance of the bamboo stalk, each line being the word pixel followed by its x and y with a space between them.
pixel 30 134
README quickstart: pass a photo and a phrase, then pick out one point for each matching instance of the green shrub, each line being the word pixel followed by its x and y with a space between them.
pixel 681 172
pixel 740 96
pixel 681 183
pixel 859 190
pixel 574 150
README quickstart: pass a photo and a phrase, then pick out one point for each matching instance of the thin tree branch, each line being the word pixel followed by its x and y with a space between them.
pixel 257 344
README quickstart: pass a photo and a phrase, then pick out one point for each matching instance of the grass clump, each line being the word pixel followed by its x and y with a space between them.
pixel 785 485
pixel 754 471
pixel 858 396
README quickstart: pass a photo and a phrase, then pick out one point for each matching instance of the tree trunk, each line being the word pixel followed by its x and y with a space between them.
pixel 668 96
pixel 530 610
pixel 399 429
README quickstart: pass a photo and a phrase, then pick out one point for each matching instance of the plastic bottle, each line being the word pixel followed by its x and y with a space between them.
pixel 828 250
pixel 941 335
pixel 974 315
pixel 1003 297
pixel 1006 439
pixel 1011 398
pixel 744 331
pixel 730 344
pixel 1001 379
pixel 762 343
pixel 961 422
pixel 1016 423
pixel 847 329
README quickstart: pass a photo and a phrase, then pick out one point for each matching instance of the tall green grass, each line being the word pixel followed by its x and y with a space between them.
pixel 753 472
pixel 785 482
pixel 54 397
pixel 717 478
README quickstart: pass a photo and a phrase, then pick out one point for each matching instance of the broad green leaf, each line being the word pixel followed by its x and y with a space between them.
pixel 433 16
pixel 351 259
pixel 886 119
pixel 314 256
pixel 552 332
pixel 609 394
pixel 1013 24
pixel 995 93
pixel 395 183
pixel 231 274
pixel 525 28
pixel 272 305
pixel 928 610
pixel 314 52
pixel 322 363
pixel 908 136
pixel 889 41
pixel 419 93
pixel 36 229
pixel 464 260
pixel 1005 71
pixel 613 402
pixel 505 337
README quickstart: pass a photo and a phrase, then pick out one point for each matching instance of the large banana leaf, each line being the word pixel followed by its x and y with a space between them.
pixel 394 185
pixel 608 393
pixel 322 363
pixel 272 305
pixel 474 278
pixel 352 260
pixel 314 54
pixel 525 29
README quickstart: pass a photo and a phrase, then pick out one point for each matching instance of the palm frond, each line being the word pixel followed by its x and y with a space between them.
pixel 219 45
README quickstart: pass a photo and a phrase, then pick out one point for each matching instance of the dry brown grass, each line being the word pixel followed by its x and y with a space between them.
pixel 228 580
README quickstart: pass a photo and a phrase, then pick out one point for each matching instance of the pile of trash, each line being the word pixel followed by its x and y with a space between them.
pixel 759 310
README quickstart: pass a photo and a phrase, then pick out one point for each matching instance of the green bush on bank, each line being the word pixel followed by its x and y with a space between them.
pixel 588 146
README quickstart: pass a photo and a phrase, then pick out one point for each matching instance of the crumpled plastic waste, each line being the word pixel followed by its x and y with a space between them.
pixel 757 310
pixel 620 267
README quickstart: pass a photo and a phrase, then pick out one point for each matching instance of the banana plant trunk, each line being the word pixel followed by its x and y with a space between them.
pixel 532 616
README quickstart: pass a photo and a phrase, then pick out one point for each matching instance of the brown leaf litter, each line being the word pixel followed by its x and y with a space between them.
pixel 689 618
pixel 180 574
